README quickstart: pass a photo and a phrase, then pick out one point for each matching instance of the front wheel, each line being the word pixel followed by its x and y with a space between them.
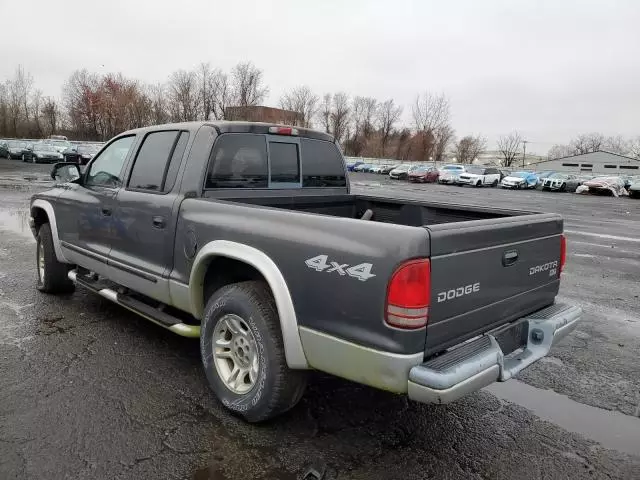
pixel 243 353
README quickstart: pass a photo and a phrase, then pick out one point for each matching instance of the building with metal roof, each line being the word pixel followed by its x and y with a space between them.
pixel 596 163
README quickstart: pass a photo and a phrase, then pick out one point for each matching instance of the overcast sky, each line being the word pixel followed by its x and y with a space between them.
pixel 550 69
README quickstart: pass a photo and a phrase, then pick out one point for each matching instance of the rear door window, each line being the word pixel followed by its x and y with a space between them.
pixel 322 164
pixel 150 166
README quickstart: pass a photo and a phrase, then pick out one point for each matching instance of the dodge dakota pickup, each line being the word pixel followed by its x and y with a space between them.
pixel 247 236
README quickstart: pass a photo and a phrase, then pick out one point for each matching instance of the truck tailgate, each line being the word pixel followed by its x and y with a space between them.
pixel 486 273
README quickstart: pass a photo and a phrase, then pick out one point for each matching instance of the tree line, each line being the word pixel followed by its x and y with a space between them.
pixel 96 106
pixel 593 142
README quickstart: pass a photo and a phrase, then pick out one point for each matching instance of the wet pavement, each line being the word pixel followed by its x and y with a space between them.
pixel 89 390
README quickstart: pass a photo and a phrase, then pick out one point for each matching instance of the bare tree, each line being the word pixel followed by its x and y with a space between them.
pixel 388 116
pixel 248 85
pixel 183 96
pixel 559 151
pixel 339 117
pixel 468 148
pixel 430 115
pixel 616 144
pixel 50 116
pixel 206 89
pixel 634 147
pixel 586 143
pixel 509 146
pixel 36 111
pixel 159 107
pixel 442 138
pixel 302 101
pixel 325 112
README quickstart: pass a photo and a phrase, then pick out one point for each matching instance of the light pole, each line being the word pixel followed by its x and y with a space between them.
pixel 524 151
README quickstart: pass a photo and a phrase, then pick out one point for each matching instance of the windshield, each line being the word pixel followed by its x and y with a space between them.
pixel 453 167
pixel 61 143
pixel 521 174
pixel 562 176
pixel 403 167
pixel 475 170
pixel 15 144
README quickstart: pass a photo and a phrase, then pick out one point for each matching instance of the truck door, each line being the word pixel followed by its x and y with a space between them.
pixel 84 212
pixel 141 254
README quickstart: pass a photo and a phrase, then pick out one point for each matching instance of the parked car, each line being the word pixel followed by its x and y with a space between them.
pixel 479 176
pixel 387 168
pixel 629 180
pixel 81 153
pixel 379 168
pixel 520 180
pixel 424 174
pixel 353 165
pixel 449 174
pixel 634 188
pixel 363 167
pixel 59 144
pixel 613 186
pixel 504 173
pixel 45 153
pixel 542 175
pixel 227 255
pixel 4 149
pixel 16 149
pixel 401 172
pixel 561 182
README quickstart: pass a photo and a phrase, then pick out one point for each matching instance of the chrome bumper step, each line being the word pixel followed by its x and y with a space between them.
pixel 480 362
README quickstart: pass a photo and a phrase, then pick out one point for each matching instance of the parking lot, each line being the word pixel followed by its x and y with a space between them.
pixel 89 390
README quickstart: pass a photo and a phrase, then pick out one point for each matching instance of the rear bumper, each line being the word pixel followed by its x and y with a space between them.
pixel 476 364
pixel 463 369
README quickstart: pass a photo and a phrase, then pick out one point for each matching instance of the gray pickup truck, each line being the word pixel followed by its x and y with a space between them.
pixel 246 236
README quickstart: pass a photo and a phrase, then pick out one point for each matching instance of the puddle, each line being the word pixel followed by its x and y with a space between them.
pixel 16 221
pixel 613 430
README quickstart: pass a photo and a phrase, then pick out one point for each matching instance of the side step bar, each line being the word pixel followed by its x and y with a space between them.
pixel 136 306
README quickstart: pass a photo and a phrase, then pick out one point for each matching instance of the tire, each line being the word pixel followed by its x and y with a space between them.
pixel 24 157
pixel 494 184
pixel 51 274
pixel 478 185
pixel 563 188
pixel 34 159
pixel 250 310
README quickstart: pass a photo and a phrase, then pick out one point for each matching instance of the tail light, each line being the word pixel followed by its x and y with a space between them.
pixel 563 252
pixel 408 295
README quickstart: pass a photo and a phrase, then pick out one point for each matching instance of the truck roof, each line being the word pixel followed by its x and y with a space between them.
pixel 224 126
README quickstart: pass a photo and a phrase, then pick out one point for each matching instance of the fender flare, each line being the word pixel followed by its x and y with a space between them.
pixel 294 352
pixel 48 208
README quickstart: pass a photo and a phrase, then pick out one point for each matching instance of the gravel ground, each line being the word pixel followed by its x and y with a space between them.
pixel 89 390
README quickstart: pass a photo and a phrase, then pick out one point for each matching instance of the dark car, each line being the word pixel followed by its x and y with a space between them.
pixel 424 175
pixel 80 154
pixel 16 149
pixel 561 182
pixel 44 153
pixel 219 231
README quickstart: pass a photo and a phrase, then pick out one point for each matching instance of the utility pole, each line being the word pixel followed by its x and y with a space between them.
pixel 524 151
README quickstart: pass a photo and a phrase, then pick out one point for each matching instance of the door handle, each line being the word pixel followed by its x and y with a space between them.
pixel 106 211
pixel 158 222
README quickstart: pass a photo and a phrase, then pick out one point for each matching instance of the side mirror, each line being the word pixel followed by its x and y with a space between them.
pixel 65 172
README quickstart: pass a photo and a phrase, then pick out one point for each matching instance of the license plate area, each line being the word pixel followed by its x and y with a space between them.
pixel 513 338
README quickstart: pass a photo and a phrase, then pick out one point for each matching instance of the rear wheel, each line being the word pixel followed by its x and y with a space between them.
pixel 52 274
pixel 243 353
pixel 494 184
pixel 479 183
